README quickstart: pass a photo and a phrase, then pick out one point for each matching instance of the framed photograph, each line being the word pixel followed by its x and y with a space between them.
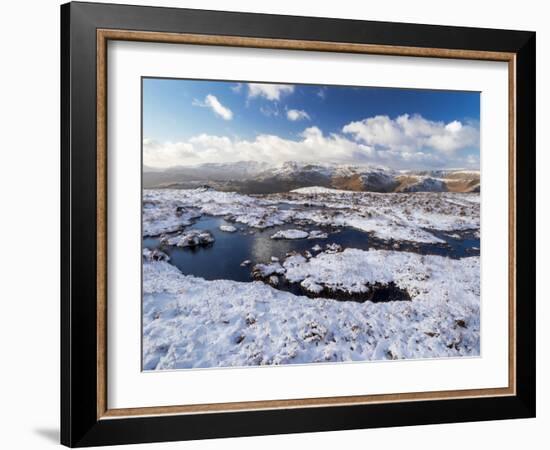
pixel 276 224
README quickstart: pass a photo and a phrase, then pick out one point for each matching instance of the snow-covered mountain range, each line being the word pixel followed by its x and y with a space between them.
pixel 251 177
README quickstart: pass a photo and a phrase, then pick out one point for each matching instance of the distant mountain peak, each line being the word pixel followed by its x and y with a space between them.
pixel 255 177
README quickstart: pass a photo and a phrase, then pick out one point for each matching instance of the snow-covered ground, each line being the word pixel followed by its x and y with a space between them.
pixel 391 216
pixel 190 322
pixel 160 206
pixel 387 216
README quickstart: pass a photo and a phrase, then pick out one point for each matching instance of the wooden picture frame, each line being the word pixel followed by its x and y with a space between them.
pixel 86 418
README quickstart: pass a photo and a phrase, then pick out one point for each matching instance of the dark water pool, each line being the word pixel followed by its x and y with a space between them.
pixel 223 258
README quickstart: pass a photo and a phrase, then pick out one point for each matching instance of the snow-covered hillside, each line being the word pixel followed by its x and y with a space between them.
pixel 258 178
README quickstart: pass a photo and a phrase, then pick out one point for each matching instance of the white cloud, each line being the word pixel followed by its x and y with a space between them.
pixel 403 143
pixel 413 133
pixel 312 147
pixel 322 93
pixel 237 87
pixel 214 104
pixel 297 114
pixel 271 92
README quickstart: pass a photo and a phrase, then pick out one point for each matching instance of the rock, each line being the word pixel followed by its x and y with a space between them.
pixel 191 238
pixel 461 323
pixel 333 248
pixel 228 228
pixel 265 270
pixel 317 234
pixel 310 285
pixel 155 255
pixel 290 234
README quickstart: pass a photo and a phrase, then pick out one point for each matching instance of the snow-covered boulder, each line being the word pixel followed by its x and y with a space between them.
pixel 266 270
pixel 155 255
pixel 290 234
pixel 317 234
pixel 228 228
pixel 191 238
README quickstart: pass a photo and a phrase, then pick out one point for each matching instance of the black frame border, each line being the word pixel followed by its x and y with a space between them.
pixel 79 423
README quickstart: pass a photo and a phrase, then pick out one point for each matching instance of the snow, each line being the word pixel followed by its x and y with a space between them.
pixel 310 285
pixel 405 217
pixel 354 271
pixel 290 234
pixel 398 217
pixel 319 190
pixel 190 238
pixel 386 229
pixel 159 209
pixel 228 228
pixel 293 260
pixel 266 270
pixel 425 184
pixel 317 234
pixel 155 255
pixel 164 217
pixel 292 169
pixel 189 322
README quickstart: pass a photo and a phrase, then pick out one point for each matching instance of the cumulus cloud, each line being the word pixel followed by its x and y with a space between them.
pixel 311 146
pixel 214 104
pixel 413 133
pixel 297 114
pixel 272 92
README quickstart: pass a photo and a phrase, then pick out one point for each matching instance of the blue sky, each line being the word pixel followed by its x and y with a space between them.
pixel 188 122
